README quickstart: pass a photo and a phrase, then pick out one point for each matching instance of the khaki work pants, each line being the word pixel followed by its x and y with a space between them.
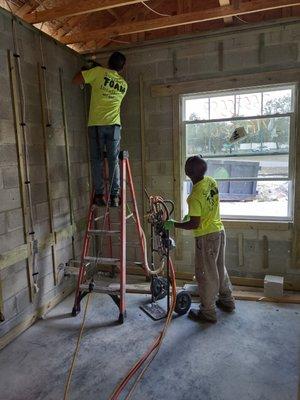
pixel 211 274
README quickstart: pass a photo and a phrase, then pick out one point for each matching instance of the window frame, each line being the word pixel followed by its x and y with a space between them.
pixel 292 140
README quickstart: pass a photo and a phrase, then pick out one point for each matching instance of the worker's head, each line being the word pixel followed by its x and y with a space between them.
pixel 116 61
pixel 195 168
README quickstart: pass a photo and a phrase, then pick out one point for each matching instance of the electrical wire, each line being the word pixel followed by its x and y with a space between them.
pixel 242 20
pixel 75 354
pixel 154 11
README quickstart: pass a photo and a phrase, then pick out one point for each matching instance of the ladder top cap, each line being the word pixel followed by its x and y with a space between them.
pixel 123 154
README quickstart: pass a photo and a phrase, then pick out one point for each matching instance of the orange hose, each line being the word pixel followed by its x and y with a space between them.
pixel 155 346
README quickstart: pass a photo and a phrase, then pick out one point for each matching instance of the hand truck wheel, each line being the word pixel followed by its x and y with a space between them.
pixel 183 302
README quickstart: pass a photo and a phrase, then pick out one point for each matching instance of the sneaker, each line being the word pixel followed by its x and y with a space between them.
pixel 114 201
pixel 198 315
pixel 228 307
pixel 99 200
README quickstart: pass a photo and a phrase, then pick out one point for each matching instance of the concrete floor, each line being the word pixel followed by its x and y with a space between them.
pixel 250 355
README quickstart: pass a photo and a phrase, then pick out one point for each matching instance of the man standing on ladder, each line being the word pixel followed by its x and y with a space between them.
pixel 108 91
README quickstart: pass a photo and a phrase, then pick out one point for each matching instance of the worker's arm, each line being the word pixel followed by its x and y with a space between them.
pixel 187 224
pixel 193 223
pixel 78 79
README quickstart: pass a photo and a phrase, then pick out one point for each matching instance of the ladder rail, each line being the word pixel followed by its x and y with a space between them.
pixel 126 184
pixel 136 214
pixel 123 239
pixel 85 248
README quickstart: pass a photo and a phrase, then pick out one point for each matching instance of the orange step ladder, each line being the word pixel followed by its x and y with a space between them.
pixel 85 282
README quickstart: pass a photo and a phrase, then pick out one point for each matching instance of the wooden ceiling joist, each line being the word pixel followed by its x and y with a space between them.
pixel 177 20
pixel 227 20
pixel 76 8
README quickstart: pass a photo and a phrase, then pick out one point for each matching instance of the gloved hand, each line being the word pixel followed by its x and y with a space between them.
pixel 169 224
pixel 186 218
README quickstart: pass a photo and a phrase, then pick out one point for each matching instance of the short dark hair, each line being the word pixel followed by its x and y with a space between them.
pixel 191 163
pixel 117 61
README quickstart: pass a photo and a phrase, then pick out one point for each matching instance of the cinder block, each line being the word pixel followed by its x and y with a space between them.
pixel 159 120
pixel 57 154
pixel 9 199
pixel 59 189
pixel 273 286
pixel 36 155
pixel 10 306
pixel 286 54
pixel 7 131
pixel 14 282
pixel 60 206
pixel 34 134
pixel 8 154
pixel 204 64
pixel 37 173
pixel 165 69
pixel 3 223
pixel 238 60
pixel 14 219
pixel 147 56
pixel 23 300
pixel 148 71
pixel 39 192
pixel 199 47
pixel 45 265
pixel 10 240
pixel 240 41
pixel 4 85
pixel 10 177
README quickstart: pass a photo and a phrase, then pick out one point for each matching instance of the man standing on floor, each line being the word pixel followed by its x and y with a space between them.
pixel 108 91
pixel 204 219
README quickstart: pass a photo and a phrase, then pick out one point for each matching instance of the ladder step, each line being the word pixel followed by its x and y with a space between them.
pixel 102 232
pixel 72 271
pixel 100 288
pixel 103 260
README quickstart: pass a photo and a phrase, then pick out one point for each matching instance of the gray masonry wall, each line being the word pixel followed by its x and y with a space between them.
pixel 34 49
pixel 252 250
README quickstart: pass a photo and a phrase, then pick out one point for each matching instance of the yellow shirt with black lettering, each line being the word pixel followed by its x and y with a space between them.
pixel 108 91
pixel 204 202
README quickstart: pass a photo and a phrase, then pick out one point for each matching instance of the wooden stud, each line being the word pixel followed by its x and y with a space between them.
pixel 2 317
pixel 67 153
pixel 265 262
pixel 45 128
pixel 220 56
pixel 178 20
pixel 241 249
pixel 20 144
pixel 227 20
pixel 261 50
pixel 143 150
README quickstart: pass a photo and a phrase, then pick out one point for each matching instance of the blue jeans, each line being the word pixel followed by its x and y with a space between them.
pixel 105 138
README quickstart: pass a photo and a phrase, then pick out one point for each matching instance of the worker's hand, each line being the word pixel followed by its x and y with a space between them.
pixel 169 224
pixel 186 218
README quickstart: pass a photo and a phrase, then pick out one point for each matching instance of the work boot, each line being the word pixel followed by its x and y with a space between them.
pixel 226 306
pixel 99 200
pixel 201 316
pixel 114 201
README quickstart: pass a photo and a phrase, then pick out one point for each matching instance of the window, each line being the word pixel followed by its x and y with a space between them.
pixel 254 174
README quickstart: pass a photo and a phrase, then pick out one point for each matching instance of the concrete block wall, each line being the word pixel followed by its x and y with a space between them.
pixel 35 49
pixel 244 50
